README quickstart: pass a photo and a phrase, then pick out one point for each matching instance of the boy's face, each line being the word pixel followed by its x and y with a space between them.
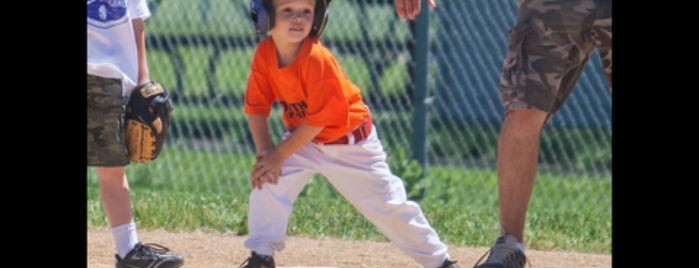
pixel 293 19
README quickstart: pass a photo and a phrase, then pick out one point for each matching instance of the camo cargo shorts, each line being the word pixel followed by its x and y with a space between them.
pixel 549 47
pixel 105 123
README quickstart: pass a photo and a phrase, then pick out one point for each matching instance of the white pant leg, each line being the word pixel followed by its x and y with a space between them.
pixel 269 208
pixel 360 173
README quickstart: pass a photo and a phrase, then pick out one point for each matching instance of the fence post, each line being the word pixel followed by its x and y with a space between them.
pixel 420 100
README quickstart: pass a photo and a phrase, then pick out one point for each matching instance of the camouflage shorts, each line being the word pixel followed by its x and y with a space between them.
pixel 548 50
pixel 105 123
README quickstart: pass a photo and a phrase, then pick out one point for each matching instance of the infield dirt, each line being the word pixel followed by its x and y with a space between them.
pixel 203 249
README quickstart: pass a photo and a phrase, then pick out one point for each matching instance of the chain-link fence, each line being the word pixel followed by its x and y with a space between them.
pixel 201 50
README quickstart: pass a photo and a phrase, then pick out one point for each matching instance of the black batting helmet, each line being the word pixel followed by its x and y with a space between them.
pixel 262 15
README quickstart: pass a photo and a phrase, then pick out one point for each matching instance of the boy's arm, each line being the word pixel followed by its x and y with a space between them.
pixel 139 33
pixel 260 132
pixel 302 135
pixel 263 142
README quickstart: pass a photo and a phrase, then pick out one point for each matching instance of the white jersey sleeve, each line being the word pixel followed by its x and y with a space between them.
pixel 111 45
pixel 139 9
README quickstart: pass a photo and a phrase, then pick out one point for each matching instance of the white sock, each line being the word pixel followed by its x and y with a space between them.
pixel 125 237
pixel 520 246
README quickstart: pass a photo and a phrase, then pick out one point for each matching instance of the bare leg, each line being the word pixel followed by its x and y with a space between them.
pixel 518 150
pixel 114 191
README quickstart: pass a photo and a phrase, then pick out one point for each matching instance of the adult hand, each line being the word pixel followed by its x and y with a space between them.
pixel 408 9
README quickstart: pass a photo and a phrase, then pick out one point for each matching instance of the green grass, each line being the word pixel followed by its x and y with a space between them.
pixel 460 203
pixel 577 150
pixel 204 186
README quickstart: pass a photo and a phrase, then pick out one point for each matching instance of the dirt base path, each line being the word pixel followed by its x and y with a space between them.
pixel 216 250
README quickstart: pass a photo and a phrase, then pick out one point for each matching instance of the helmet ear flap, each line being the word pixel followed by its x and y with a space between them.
pixel 262 16
pixel 262 19
pixel 321 17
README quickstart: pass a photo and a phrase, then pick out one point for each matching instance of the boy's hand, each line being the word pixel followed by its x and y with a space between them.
pixel 267 169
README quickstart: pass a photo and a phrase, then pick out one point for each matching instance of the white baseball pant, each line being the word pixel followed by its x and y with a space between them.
pixel 360 173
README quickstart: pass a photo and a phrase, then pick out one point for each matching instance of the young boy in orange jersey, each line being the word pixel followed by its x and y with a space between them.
pixel 329 131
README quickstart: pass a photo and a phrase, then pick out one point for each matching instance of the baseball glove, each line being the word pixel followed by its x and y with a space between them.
pixel 147 120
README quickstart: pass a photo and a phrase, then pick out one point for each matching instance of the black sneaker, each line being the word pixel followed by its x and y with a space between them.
pixel 448 264
pixel 503 254
pixel 258 261
pixel 150 256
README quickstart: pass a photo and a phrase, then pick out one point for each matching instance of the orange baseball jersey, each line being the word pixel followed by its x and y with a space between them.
pixel 313 89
